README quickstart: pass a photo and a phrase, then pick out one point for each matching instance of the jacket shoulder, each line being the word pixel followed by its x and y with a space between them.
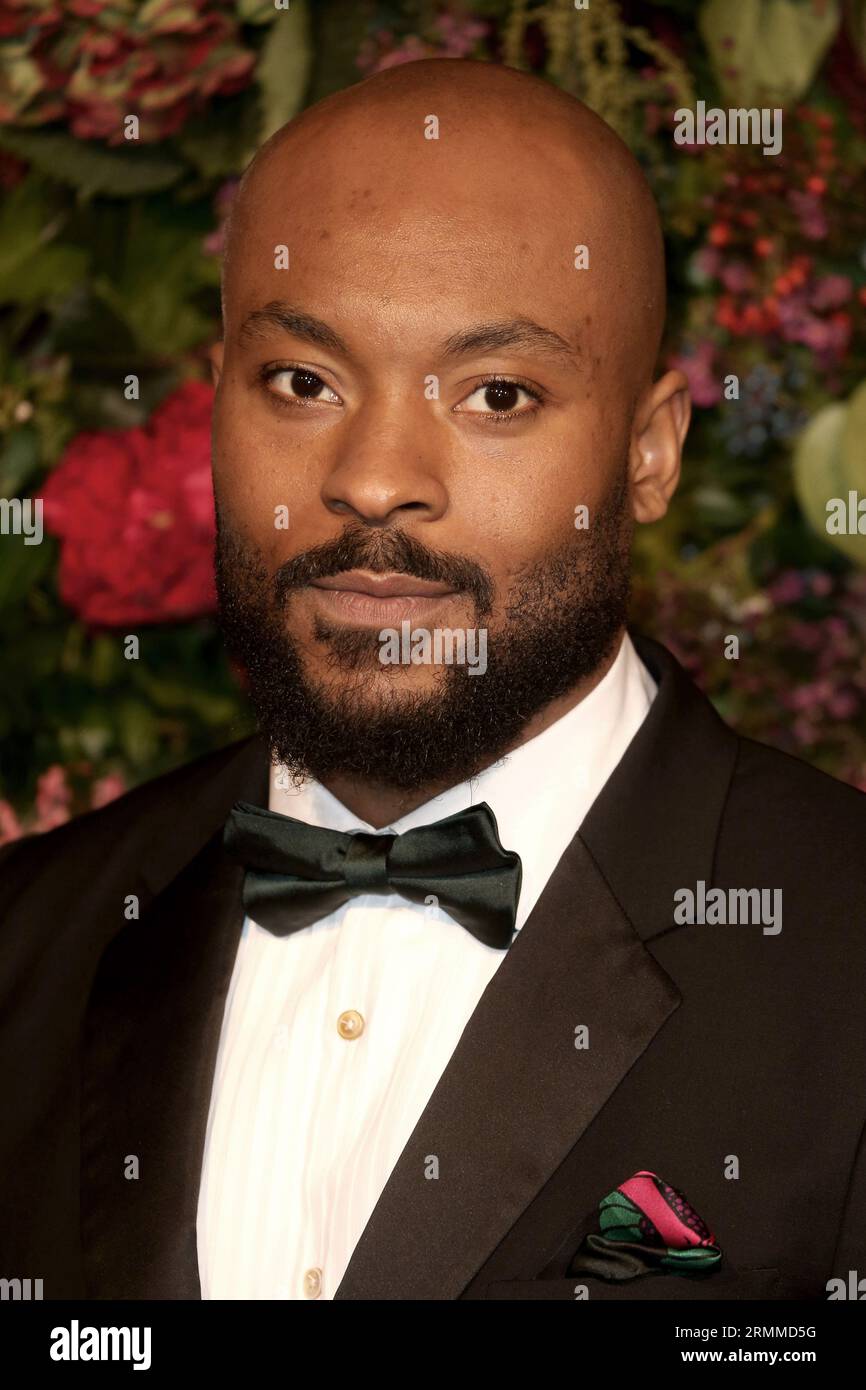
pixel 80 847
pixel 795 790
pixel 799 827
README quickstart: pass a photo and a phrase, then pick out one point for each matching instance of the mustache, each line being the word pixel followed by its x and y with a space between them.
pixel 384 552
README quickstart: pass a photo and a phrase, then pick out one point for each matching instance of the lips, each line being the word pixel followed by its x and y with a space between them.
pixel 381 600
pixel 381 585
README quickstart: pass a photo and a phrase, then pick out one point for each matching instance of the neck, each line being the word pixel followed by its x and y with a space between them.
pixel 381 805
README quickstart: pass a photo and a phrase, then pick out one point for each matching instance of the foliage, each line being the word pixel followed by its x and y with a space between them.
pixel 109 255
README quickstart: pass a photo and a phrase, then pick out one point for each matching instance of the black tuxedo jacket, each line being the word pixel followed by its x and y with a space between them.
pixel 729 1061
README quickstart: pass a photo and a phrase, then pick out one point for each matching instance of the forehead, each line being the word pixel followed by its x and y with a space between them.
pixel 463 223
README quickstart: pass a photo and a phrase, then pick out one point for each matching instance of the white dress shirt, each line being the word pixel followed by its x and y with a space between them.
pixel 334 1037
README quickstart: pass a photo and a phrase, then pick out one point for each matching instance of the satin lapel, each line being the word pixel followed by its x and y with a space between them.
pixel 517 1093
pixel 654 827
pixel 149 1047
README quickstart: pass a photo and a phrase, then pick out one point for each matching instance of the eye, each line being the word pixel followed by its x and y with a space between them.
pixel 296 386
pixel 499 399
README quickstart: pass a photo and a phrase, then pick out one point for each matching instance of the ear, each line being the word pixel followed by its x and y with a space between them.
pixel 660 425
pixel 215 355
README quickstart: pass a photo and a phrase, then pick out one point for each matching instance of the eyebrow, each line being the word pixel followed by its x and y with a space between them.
pixel 482 337
pixel 519 333
pixel 290 320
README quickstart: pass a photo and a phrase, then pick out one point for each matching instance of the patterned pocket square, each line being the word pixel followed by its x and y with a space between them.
pixel 646 1226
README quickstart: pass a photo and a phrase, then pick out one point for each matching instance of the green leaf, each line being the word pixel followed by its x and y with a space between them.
pixel 92 168
pixel 164 322
pixel 19 460
pixel 819 474
pixel 853 442
pixel 183 695
pixel 106 662
pixel 767 49
pixel 21 567
pixel 33 268
pixel 256 11
pixel 218 144
pixel 284 68
pixel 44 277
pixel 24 212
pixel 160 274
pixel 138 730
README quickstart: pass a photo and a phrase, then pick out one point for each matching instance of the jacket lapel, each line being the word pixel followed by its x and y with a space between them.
pixel 149 1046
pixel 517 1093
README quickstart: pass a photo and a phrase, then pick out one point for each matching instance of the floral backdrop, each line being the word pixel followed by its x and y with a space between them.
pixel 109 285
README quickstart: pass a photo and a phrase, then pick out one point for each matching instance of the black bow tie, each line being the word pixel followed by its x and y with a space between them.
pixel 298 873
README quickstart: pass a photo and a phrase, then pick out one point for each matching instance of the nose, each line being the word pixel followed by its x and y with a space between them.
pixel 384 472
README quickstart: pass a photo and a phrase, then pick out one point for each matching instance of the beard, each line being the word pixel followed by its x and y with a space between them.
pixel 562 617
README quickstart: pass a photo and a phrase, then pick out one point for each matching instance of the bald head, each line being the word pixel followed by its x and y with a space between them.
pixel 518 176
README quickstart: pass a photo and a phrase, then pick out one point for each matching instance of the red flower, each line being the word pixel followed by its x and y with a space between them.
pixel 134 512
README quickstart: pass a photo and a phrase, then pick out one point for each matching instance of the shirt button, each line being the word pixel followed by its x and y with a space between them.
pixel 350 1024
pixel 312 1283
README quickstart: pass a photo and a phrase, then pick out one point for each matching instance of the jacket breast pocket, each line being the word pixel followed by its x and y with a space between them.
pixel 725 1284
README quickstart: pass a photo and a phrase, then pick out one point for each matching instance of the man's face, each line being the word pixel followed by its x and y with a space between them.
pixel 378 459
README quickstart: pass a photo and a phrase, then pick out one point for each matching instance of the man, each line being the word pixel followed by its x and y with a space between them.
pixel 497 966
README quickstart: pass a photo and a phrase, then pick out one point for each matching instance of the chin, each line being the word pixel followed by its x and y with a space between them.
pixel 369 684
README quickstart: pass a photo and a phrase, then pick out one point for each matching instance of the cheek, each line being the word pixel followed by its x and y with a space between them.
pixel 257 482
pixel 534 511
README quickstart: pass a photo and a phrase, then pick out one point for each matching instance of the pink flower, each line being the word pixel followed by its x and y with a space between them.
pixel 10 826
pixel 214 242
pixel 821 585
pixel 805 636
pixel 831 292
pixel 409 51
pixel 788 588
pixel 459 35
pixel 803 731
pixel 707 262
pixel 737 277
pixel 53 798
pixel 843 705
pixel 455 37
pixel 698 368
pixel 106 789
pixel 810 214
